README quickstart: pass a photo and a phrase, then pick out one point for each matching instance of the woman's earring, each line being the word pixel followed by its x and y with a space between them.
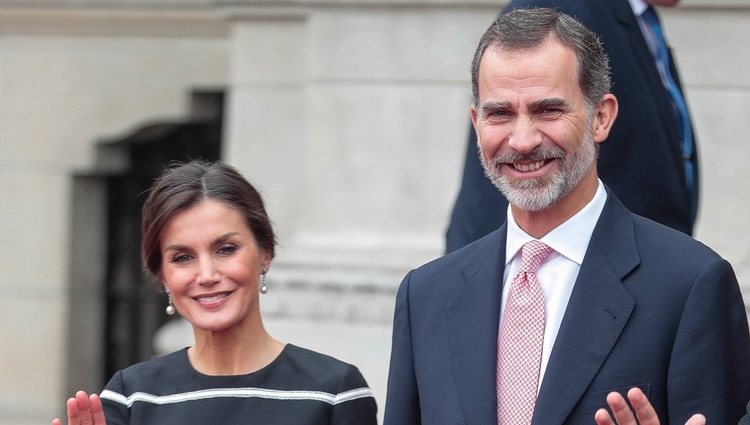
pixel 170 307
pixel 263 287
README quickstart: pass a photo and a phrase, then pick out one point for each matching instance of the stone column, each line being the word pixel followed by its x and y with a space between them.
pixel 351 118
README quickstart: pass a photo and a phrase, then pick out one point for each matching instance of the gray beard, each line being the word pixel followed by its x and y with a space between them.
pixel 541 193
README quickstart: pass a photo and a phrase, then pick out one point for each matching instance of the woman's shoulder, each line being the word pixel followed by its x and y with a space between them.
pixel 167 368
pixel 317 370
pixel 174 360
pixel 317 360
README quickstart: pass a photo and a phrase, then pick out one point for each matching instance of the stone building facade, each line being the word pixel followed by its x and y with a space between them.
pixel 350 117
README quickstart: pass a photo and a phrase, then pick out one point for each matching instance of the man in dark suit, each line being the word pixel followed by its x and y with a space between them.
pixel 647 154
pixel 575 296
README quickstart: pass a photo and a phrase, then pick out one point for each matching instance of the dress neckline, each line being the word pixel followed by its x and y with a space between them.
pixel 186 359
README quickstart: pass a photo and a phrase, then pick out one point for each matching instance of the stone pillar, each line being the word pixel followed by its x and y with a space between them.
pixel 351 118
pixel 709 40
pixel 74 72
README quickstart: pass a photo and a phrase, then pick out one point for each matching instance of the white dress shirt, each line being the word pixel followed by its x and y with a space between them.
pixel 557 275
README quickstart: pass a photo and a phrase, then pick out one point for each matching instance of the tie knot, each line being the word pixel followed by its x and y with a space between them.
pixel 533 255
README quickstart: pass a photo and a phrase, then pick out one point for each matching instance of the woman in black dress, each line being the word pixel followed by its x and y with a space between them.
pixel 207 238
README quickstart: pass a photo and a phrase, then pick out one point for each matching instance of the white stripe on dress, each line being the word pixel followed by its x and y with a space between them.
pixel 248 392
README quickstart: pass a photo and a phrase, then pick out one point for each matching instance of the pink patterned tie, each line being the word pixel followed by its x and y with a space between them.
pixel 519 351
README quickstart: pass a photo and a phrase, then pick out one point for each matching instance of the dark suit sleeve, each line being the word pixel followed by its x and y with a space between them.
pixel 710 366
pixel 402 400
pixel 358 411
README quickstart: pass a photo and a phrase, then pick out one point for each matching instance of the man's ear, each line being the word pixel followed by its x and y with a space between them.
pixel 604 116
pixel 474 116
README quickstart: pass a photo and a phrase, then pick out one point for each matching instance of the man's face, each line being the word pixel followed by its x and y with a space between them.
pixel 534 126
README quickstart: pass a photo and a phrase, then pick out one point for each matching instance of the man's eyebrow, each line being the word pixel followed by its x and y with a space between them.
pixel 548 103
pixel 496 106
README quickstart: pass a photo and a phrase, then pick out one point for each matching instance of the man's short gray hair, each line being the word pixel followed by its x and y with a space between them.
pixel 527 29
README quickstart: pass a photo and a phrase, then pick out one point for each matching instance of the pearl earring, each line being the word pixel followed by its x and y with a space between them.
pixel 170 310
pixel 263 287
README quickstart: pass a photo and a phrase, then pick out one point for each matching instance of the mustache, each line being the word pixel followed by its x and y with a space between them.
pixel 538 154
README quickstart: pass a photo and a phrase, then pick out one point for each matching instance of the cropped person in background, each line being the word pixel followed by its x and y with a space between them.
pixel 207 238
pixel 649 159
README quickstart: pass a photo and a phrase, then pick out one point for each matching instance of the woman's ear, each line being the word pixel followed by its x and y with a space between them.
pixel 265 262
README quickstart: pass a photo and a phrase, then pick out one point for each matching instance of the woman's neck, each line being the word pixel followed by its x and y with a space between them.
pixel 233 352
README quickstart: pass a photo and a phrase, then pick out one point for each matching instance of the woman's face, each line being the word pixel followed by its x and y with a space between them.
pixel 211 264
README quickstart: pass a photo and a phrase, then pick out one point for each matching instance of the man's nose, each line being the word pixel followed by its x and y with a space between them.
pixel 525 136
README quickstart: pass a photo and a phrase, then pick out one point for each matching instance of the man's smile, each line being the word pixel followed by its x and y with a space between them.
pixel 533 166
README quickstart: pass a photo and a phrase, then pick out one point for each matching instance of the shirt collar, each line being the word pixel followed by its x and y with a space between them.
pixel 570 239
pixel 638 6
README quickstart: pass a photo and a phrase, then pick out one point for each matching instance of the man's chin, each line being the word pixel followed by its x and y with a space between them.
pixel 530 195
pixel 532 204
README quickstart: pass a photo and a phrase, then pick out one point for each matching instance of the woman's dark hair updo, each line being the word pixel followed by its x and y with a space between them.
pixel 184 185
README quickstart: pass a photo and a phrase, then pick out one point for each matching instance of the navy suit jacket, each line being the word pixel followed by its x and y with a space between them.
pixel 651 307
pixel 641 160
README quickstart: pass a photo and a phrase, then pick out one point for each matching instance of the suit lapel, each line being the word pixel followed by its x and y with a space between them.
pixel 473 317
pixel 596 314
